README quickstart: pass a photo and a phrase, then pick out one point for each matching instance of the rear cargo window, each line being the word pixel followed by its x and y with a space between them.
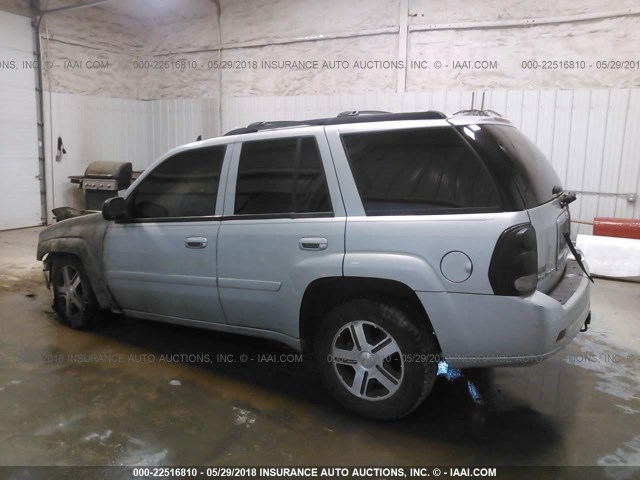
pixel 517 159
pixel 423 171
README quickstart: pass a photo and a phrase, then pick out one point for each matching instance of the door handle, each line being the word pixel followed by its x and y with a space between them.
pixel 195 242
pixel 313 243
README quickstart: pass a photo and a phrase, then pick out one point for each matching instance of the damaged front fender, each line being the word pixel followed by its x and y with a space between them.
pixel 83 237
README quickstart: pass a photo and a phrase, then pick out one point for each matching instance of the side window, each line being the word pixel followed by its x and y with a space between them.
pixel 419 171
pixel 185 185
pixel 282 176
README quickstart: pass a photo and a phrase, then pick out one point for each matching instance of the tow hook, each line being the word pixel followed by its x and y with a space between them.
pixel 585 327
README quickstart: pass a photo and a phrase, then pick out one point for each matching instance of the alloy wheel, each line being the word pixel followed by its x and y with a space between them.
pixel 69 292
pixel 367 360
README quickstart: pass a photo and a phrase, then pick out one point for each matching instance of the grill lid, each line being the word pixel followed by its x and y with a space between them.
pixel 119 171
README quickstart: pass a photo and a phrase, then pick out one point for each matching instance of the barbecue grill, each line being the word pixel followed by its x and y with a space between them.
pixel 103 180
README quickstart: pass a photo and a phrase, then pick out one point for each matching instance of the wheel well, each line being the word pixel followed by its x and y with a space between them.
pixel 325 293
pixel 100 290
pixel 52 256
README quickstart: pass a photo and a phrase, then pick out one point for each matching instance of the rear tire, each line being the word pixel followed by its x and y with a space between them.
pixel 378 359
pixel 73 299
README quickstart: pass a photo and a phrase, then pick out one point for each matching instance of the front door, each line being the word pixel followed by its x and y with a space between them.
pixel 161 264
pixel 283 227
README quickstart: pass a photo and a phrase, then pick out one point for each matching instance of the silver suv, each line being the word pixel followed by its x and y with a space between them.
pixel 381 243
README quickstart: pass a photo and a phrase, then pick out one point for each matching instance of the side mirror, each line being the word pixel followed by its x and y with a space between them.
pixel 114 209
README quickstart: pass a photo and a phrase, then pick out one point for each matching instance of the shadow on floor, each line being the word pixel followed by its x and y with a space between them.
pixel 465 409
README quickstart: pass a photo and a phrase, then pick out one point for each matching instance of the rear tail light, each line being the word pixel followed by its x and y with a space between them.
pixel 514 264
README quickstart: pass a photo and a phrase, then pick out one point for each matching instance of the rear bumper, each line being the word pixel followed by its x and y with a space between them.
pixel 492 330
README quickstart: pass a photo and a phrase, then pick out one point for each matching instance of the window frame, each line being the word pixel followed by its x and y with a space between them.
pixel 220 195
pixel 433 211
pixel 232 182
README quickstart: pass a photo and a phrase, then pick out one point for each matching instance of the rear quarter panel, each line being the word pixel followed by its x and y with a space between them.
pixel 410 249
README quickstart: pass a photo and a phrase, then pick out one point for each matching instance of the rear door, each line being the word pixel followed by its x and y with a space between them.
pixel 283 227
pixel 551 221
pixel 161 264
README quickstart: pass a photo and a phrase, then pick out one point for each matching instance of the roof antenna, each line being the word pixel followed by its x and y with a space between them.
pixel 482 104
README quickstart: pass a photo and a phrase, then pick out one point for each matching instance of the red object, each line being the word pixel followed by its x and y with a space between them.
pixel 616 227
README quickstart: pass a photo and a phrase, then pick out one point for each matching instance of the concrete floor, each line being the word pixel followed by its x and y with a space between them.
pixel 134 402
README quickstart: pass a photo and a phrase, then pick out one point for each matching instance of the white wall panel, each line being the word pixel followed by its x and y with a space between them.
pixel 176 122
pixel 629 178
pixel 561 143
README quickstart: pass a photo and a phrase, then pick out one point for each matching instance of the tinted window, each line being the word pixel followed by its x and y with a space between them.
pixel 185 185
pixel 530 171
pixel 419 171
pixel 281 176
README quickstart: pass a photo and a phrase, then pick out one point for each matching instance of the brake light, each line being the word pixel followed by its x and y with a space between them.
pixel 514 263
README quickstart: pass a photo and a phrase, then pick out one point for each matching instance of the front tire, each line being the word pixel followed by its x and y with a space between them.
pixel 378 359
pixel 73 299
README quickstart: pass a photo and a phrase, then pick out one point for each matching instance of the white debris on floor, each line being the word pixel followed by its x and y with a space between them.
pixel 98 436
pixel 243 417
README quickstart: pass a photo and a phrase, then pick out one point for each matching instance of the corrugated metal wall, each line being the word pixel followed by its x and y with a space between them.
pixel 176 122
pixel 591 136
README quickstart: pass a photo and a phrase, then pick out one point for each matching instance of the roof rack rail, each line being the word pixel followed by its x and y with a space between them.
pixel 273 124
pixel 478 113
pixel 344 118
pixel 355 113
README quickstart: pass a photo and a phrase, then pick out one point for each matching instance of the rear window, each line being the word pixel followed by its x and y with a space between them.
pixel 510 151
pixel 419 171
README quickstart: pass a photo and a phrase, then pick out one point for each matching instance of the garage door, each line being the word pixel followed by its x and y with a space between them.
pixel 19 185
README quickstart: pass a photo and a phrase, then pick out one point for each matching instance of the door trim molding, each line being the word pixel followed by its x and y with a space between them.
pixel 246 284
pixel 162 278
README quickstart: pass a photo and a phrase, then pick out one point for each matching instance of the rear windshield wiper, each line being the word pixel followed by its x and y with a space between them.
pixel 567 198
